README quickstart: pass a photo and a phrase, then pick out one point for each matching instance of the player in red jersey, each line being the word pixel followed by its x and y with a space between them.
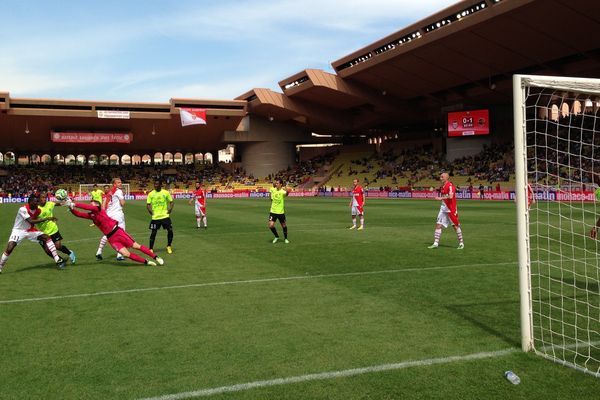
pixel 24 228
pixel 448 212
pixel 116 236
pixel 357 204
pixel 530 196
pixel 200 205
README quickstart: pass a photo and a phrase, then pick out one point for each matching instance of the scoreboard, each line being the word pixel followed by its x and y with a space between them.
pixel 468 123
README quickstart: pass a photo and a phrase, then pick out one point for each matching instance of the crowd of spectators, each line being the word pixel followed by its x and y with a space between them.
pixel 20 180
pixel 302 172
pixel 493 164
pixel 563 153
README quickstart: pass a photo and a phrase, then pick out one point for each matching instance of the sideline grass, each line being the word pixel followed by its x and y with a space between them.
pixel 151 343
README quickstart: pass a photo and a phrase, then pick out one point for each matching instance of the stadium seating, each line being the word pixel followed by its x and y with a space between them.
pixel 391 169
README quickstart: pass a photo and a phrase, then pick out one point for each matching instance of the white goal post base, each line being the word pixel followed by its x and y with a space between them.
pixel 557 148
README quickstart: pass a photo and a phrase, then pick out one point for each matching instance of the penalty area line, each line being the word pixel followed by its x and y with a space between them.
pixel 250 281
pixel 332 375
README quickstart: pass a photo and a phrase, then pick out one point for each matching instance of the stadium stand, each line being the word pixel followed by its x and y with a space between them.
pixel 393 168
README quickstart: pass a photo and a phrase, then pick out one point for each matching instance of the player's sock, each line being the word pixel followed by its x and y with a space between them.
pixel 198 219
pixel 205 222
pixel 152 238
pixel 137 258
pixel 101 244
pixel 285 232
pixel 147 251
pixel 169 237
pixel 362 220
pixel 43 244
pixel 459 234
pixel 3 259
pixel 274 230
pixel 436 236
pixel 65 250
pixel 353 221
pixel 50 245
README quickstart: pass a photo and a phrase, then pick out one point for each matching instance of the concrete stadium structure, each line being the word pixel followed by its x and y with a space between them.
pixel 462 57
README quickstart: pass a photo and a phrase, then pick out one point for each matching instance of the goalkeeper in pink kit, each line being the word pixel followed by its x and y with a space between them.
pixel 117 237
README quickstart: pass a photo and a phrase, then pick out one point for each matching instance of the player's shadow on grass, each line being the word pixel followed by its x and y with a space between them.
pixel 105 263
pixel 440 246
pixel 582 284
pixel 39 266
pixel 500 319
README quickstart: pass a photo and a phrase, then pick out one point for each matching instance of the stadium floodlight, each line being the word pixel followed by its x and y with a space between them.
pixel 558 251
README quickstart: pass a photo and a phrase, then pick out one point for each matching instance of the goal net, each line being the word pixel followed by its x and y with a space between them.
pixel 557 152
pixel 86 188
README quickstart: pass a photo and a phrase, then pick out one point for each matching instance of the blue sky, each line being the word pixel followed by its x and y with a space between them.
pixel 155 50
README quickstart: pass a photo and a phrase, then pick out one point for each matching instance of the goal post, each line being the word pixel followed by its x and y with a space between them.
pixel 522 213
pixel 557 152
pixel 88 187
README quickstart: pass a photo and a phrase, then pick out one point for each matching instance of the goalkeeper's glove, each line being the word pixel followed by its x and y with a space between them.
pixel 69 203
pixel 594 232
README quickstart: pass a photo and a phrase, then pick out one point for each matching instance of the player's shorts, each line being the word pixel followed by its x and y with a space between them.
pixel 357 210
pixel 56 237
pixel 446 218
pixel 18 235
pixel 200 210
pixel 275 217
pixel 165 223
pixel 119 239
pixel 120 218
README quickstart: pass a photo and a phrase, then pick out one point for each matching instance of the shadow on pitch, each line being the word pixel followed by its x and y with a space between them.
pixel 500 319
pixel 588 286
pixel 105 263
pixel 39 266
pixel 440 246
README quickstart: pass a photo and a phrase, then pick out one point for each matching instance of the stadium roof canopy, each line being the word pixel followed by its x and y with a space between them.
pixel 463 55
pixel 25 124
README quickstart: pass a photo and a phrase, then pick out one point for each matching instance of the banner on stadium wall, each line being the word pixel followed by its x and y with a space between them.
pixel 552 196
pixel 90 137
pixel 300 194
pixel 114 114
pixel 260 195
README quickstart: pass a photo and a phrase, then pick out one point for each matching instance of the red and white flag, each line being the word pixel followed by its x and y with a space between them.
pixel 192 116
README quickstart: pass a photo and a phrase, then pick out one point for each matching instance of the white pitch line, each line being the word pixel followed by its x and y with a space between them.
pixel 248 281
pixel 332 375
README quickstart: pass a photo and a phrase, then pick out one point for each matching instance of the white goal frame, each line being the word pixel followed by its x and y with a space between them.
pixel 520 85
pixel 87 187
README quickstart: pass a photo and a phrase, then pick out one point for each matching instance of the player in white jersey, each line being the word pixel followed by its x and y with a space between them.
pixel 113 203
pixel 24 228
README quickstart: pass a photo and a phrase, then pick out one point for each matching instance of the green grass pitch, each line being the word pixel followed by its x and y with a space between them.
pixel 229 308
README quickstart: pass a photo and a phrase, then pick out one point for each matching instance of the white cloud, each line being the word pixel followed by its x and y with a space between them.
pixel 268 20
pixel 209 49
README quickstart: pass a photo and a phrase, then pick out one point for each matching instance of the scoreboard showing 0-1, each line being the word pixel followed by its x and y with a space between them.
pixel 468 123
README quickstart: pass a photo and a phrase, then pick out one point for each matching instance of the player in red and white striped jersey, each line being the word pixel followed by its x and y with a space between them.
pixel 448 212
pixel 24 228
pixel 357 204
pixel 199 200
